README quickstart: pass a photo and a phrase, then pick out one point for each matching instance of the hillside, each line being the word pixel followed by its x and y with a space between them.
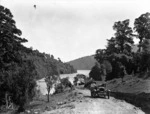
pixel 45 62
pixel 84 63
pixel 134 90
pixel 87 62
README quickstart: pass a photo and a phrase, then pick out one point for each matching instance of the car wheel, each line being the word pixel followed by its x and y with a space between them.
pixel 108 96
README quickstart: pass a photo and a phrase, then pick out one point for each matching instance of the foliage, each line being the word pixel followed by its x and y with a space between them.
pixel 123 36
pixel 78 77
pixel 142 27
pixel 119 53
pixel 50 80
pixel 95 72
pixel 41 60
pixel 16 71
pixel 23 86
pixel 118 49
pixel 64 84
pixel 59 88
pixel 21 66
pixel 146 45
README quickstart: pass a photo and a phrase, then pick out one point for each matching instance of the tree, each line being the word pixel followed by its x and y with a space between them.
pixel 66 83
pixel 16 72
pixel 145 56
pixel 112 47
pixel 106 67
pixel 119 52
pixel 52 76
pixel 100 55
pixel 118 49
pixel 122 70
pixel 59 60
pixel 146 45
pixel 142 27
pixel 123 36
pixel 23 89
pixel 10 42
pixel 50 81
pixel 95 72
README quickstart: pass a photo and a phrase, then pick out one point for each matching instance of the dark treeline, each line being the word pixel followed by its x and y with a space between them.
pixel 20 66
pixel 120 58
pixel 43 63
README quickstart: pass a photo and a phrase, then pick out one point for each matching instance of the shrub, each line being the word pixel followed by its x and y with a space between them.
pixel 80 77
pixel 95 72
pixel 64 84
pixel 59 88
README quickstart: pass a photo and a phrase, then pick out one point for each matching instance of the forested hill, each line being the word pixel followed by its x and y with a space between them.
pixel 87 62
pixel 84 63
pixel 45 63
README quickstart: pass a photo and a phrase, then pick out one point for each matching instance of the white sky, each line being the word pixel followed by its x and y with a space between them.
pixel 70 29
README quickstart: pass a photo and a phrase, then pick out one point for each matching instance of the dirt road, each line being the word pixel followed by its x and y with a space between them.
pixel 88 105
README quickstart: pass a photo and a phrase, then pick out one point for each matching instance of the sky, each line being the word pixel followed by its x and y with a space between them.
pixel 70 29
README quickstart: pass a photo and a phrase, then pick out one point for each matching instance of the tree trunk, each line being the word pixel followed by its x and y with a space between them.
pixel 48 96
pixel 6 99
pixel 147 70
pixel 140 47
pixel 27 96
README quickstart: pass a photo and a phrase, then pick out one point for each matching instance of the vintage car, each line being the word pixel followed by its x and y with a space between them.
pixel 99 91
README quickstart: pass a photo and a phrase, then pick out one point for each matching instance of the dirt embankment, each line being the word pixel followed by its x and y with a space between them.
pixel 133 90
pixel 141 100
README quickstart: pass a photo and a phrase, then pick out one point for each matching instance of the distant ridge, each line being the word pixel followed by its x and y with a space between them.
pixel 83 63
pixel 87 62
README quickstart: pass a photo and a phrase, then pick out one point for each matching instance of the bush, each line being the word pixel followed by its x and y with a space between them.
pixel 95 72
pixel 64 84
pixel 59 88
pixel 80 77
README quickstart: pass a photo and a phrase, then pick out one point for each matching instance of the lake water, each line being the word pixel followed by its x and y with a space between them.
pixel 71 76
pixel 42 85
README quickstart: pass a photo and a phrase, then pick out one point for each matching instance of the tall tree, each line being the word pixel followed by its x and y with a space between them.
pixel 142 27
pixel 95 72
pixel 52 77
pixel 112 47
pixel 16 73
pixel 146 45
pixel 100 55
pixel 118 49
pixel 121 43
pixel 123 36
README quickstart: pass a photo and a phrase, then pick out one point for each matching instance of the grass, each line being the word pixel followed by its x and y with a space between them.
pixel 141 100
pixel 133 90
